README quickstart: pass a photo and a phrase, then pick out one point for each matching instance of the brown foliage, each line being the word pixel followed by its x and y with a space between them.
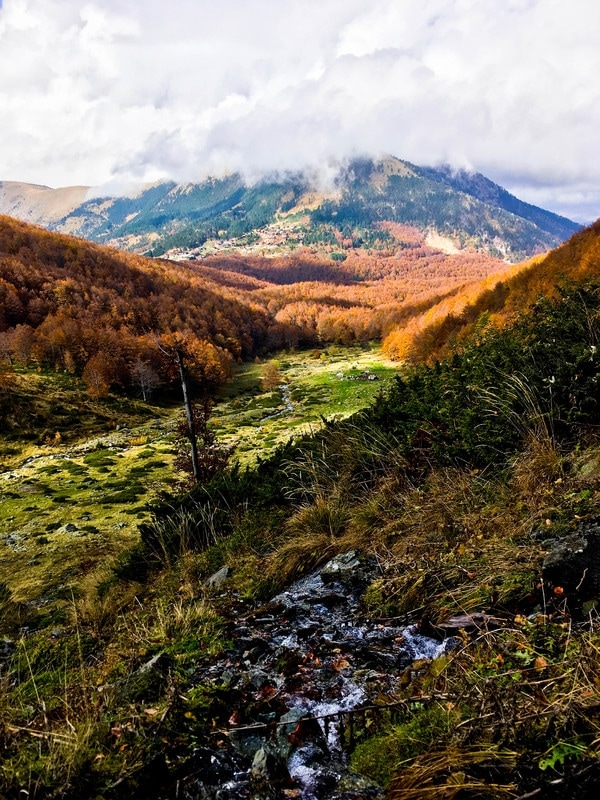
pixel 213 457
pixel 63 301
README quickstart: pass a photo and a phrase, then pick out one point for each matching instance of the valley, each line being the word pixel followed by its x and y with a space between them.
pixel 67 507
pixel 386 568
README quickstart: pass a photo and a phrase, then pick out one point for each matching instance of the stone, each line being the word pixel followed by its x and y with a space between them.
pixel 573 566
pixel 7 648
pixel 354 785
pixel 345 568
pixel 217 580
pixel 471 622
pixel 268 764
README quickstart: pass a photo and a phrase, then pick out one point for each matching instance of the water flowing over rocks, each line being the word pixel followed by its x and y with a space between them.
pixel 301 670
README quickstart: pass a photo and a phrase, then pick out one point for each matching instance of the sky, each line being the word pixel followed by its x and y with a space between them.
pixel 115 92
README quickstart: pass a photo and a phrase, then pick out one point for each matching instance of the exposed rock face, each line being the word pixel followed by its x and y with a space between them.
pixel 573 565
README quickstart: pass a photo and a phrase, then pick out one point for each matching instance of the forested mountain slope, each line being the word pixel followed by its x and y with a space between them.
pixel 65 302
pixel 497 299
pixel 279 214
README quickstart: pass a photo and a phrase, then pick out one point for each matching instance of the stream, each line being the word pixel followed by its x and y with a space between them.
pixel 286 399
pixel 301 671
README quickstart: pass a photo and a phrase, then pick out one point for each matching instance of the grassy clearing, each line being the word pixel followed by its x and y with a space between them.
pixel 74 492
pixel 76 481
pixel 319 384
pixel 66 510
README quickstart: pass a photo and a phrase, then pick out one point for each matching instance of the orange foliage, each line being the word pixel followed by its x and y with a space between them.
pixel 501 296
pixel 63 301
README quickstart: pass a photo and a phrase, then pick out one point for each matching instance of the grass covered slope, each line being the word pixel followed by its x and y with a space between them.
pixel 454 481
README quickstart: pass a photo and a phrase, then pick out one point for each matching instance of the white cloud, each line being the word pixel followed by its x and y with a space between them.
pixel 92 91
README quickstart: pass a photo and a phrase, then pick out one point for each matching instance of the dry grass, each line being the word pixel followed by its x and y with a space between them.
pixel 444 775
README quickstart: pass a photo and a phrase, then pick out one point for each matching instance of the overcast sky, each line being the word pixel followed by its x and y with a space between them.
pixel 113 91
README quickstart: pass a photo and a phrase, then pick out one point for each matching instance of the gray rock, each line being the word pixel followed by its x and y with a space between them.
pixel 258 678
pixel 573 564
pixel 354 784
pixel 217 580
pixel 248 742
pixel 7 648
pixel 268 764
pixel 345 568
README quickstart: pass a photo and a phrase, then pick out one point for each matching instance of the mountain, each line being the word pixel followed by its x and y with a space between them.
pixel 485 190
pixel 456 210
pixel 39 204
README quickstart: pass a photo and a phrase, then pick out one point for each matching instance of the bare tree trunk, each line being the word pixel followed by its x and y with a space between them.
pixel 188 414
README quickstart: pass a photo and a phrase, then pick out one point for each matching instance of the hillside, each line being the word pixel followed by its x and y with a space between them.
pixel 278 215
pixel 39 204
pixel 496 300
pixel 81 308
pixel 400 604
pixel 86 309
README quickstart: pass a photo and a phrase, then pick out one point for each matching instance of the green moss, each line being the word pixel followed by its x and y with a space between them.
pixel 380 756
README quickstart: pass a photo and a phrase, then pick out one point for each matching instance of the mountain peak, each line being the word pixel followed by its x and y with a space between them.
pixel 463 210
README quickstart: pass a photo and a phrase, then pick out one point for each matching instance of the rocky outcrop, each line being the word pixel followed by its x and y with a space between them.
pixel 572 567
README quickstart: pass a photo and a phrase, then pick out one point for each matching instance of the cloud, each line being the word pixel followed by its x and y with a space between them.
pixel 95 91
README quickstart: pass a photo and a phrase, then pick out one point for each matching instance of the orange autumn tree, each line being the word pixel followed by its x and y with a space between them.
pixel 99 375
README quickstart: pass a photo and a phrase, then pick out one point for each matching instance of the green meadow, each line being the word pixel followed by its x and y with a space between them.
pixel 75 496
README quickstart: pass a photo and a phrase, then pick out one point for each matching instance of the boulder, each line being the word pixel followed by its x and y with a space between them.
pixel 269 765
pixel 217 580
pixel 345 568
pixel 572 567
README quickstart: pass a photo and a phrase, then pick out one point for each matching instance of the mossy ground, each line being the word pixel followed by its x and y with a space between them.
pixel 75 490
pixel 321 384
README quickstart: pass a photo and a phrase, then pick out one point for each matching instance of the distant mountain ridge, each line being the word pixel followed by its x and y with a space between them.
pixel 482 188
pixel 193 219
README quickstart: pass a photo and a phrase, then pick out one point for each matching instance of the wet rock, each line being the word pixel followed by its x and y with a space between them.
pixel 269 765
pixel 346 568
pixel 258 678
pixel 70 528
pixel 247 741
pixel 7 648
pixel 573 565
pixel 357 787
pixel 217 580
pixel 255 645
pixel 300 666
pixel 224 775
